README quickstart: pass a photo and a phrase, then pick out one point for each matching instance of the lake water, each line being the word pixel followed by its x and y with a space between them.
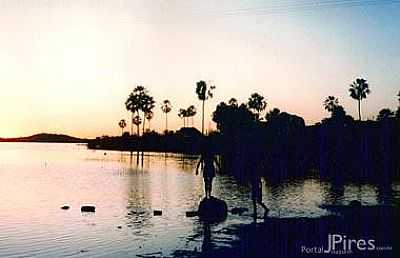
pixel 36 179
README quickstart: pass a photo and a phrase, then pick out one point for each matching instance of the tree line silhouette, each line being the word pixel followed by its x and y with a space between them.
pixel 279 141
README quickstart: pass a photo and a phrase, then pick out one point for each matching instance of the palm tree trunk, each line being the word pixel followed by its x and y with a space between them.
pixel 202 119
pixel 132 124
pixel 166 123
pixel 144 121
pixel 359 110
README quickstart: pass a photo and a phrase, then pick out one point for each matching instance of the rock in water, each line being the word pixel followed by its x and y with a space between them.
pixel 88 208
pixel 212 210
pixel 65 207
pixel 192 214
pixel 157 212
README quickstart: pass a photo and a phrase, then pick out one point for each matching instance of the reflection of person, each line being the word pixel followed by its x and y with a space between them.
pixel 207 160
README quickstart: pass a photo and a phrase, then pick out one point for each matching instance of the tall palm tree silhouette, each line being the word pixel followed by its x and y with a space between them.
pixel 149 115
pixel 122 125
pixel 203 92
pixel 166 107
pixel 133 103
pixel 139 100
pixel 183 115
pixel 359 90
pixel 191 112
pixel 257 103
pixel 136 120
pixel 146 107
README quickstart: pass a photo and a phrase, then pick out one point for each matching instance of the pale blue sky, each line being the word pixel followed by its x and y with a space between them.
pixel 67 66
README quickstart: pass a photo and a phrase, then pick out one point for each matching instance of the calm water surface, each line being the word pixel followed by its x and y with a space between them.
pixel 36 179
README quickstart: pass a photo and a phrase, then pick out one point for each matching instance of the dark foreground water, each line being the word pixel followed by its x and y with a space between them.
pixel 36 179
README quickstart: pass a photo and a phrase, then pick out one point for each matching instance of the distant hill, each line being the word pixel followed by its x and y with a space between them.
pixel 45 137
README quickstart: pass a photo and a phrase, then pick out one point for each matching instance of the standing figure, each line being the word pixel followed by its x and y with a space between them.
pixel 256 194
pixel 256 187
pixel 206 161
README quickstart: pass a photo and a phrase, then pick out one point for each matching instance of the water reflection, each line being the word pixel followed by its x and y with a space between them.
pixel 126 193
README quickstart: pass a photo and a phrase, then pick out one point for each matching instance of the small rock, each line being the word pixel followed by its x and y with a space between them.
pixel 157 213
pixel 119 227
pixel 192 214
pixel 88 208
pixel 65 207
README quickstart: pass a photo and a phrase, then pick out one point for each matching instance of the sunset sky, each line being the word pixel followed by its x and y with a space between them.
pixel 68 66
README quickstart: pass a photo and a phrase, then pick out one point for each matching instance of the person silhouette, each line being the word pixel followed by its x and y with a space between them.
pixel 256 194
pixel 207 161
pixel 255 166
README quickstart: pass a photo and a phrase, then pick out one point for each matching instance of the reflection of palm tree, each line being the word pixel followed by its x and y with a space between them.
pixel 203 92
pixel 122 125
pixel 359 90
pixel 166 108
pixel 257 103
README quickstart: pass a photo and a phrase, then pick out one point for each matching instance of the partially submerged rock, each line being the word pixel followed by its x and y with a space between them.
pixel 212 210
pixel 65 207
pixel 192 214
pixel 88 208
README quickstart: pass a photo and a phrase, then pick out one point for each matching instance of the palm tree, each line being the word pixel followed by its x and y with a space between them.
pixel 149 116
pixel 359 90
pixel 191 112
pixel 330 103
pixel 146 107
pixel 183 114
pixel 122 124
pixel 203 92
pixel 257 103
pixel 139 100
pixel 136 120
pixel 166 107
pixel 133 103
